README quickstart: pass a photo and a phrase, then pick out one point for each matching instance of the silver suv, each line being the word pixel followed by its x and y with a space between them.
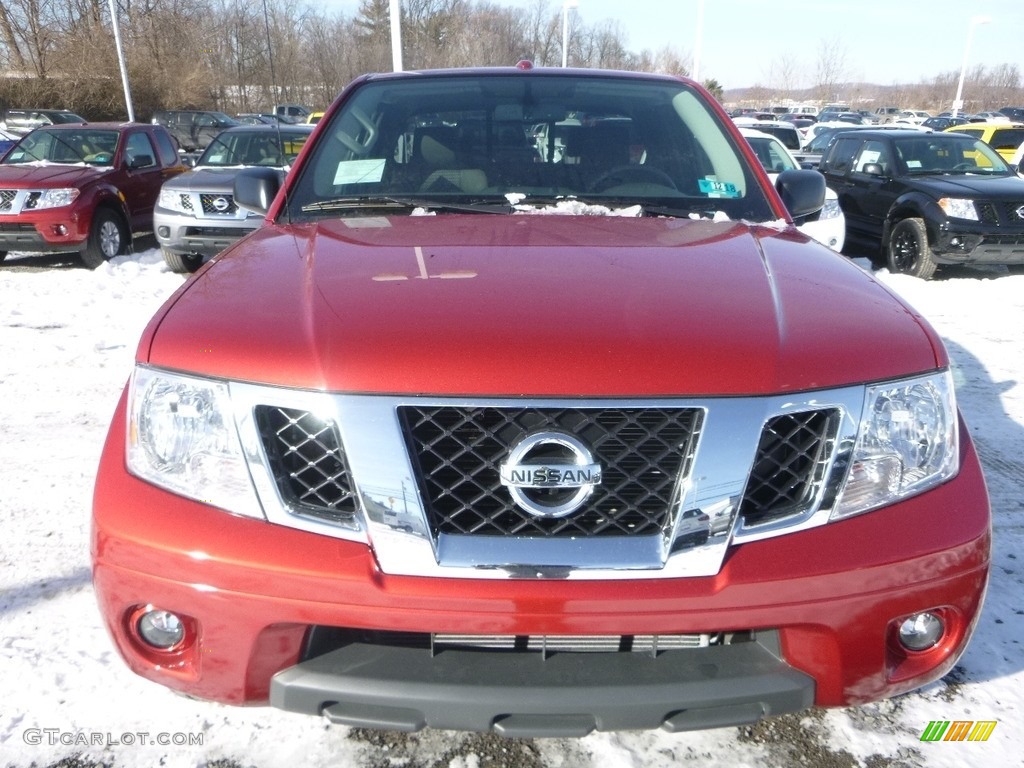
pixel 23 121
pixel 196 215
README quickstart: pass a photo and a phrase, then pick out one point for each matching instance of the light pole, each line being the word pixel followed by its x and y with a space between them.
pixel 566 5
pixel 121 64
pixel 396 35
pixel 958 102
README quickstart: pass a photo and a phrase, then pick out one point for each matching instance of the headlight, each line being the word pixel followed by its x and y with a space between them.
pixel 55 198
pixel 182 437
pixel 959 208
pixel 831 209
pixel 172 200
pixel 908 442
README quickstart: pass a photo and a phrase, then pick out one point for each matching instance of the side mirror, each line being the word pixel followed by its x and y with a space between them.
pixel 873 169
pixel 140 161
pixel 802 192
pixel 256 188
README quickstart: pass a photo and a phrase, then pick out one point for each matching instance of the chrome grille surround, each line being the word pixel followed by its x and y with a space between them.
pixel 391 512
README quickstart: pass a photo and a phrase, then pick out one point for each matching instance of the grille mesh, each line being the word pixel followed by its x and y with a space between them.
pixel 789 468
pixel 307 462
pixel 208 207
pixel 1010 214
pixel 7 199
pixel 643 453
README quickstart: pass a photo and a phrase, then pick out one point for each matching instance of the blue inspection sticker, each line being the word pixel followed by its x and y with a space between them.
pixel 715 188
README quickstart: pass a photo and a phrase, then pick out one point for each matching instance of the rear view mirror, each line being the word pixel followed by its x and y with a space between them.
pixel 802 192
pixel 256 188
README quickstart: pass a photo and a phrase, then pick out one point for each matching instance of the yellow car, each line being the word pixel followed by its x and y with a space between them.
pixel 314 117
pixel 1004 138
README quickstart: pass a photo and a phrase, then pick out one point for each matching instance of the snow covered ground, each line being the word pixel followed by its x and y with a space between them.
pixel 67 339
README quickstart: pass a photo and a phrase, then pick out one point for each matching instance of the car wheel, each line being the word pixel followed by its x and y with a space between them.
pixel 182 262
pixel 909 252
pixel 108 238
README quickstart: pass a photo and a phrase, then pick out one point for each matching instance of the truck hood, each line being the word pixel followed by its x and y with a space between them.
pixel 538 305
pixel 985 187
pixel 205 180
pixel 48 176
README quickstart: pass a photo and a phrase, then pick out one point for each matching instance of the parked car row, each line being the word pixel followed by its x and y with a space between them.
pixel 90 187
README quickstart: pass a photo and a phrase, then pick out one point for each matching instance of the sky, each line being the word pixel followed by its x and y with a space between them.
pixel 743 41
pixel 67 341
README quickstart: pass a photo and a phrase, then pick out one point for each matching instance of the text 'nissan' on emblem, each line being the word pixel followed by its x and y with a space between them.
pixel 221 203
pixel 1020 212
pixel 550 474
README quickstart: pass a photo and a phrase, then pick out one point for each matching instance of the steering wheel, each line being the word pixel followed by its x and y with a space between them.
pixel 964 167
pixel 626 174
pixel 99 157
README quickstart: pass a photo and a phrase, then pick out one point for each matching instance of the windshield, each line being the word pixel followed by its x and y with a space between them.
pixel 529 139
pixel 268 148
pixel 772 154
pixel 90 146
pixel 934 153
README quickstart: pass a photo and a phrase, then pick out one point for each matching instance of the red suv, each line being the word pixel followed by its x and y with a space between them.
pixel 529 409
pixel 83 188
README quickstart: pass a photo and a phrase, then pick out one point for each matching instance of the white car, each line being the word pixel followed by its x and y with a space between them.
pixel 830 226
pixel 1018 159
pixel 912 116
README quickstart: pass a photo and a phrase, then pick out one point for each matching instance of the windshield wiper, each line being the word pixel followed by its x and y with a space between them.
pixel 402 203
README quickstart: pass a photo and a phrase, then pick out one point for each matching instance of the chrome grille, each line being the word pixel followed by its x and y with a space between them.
pixel 7 199
pixel 307 462
pixel 789 467
pixel 186 201
pixel 206 200
pixel 643 452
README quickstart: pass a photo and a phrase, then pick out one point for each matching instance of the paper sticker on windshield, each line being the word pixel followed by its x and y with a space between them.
pixel 359 172
pixel 715 188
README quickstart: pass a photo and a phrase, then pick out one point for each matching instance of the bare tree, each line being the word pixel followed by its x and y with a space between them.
pixel 830 70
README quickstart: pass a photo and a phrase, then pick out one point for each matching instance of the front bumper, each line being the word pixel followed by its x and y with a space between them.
pixel 53 230
pixel 821 604
pixel 204 236
pixel 975 245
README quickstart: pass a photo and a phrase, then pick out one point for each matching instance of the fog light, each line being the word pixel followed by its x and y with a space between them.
pixel 60 230
pixel 163 231
pixel 161 629
pixel 921 631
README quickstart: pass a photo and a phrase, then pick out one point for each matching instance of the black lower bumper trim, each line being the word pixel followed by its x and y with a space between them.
pixel 567 694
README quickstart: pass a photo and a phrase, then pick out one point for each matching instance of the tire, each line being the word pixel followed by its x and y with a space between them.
pixel 108 237
pixel 908 251
pixel 3 255
pixel 183 263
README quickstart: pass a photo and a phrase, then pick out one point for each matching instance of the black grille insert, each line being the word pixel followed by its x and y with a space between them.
pixel 307 462
pixel 643 453
pixel 789 468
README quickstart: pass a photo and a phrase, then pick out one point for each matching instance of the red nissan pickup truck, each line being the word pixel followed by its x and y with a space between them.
pixel 530 410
